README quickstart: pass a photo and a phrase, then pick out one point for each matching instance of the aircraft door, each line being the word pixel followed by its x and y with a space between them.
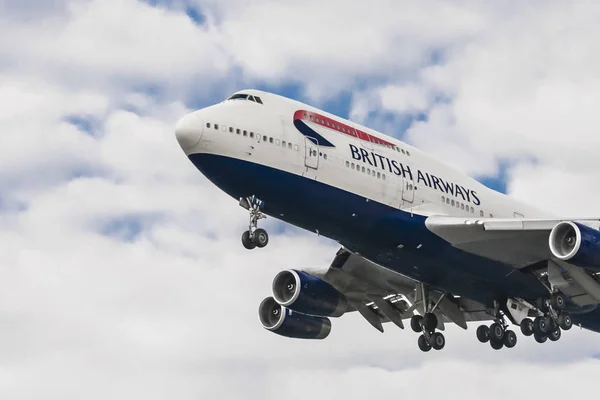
pixel 408 190
pixel 311 153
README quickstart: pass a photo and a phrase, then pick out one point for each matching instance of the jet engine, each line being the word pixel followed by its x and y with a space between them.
pixel 302 292
pixel 285 322
pixel 576 243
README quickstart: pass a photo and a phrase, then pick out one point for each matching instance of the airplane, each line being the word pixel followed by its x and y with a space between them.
pixel 420 240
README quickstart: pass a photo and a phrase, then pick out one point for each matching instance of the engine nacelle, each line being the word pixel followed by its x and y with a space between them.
pixel 302 292
pixel 576 243
pixel 285 322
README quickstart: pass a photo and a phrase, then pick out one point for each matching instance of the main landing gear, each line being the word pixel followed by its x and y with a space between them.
pixel 497 334
pixel 254 236
pixel 551 323
pixel 426 325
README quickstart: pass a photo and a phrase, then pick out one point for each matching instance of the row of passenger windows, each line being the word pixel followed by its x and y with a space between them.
pixel 462 206
pixel 259 137
pixel 368 171
pixel 458 204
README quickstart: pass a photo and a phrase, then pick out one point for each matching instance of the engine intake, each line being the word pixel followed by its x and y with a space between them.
pixel 285 322
pixel 302 292
pixel 579 244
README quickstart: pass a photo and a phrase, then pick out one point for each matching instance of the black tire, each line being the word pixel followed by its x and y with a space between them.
pixel 558 301
pixel 496 345
pixel 247 242
pixel 540 338
pixel 541 326
pixel 527 327
pixel 438 341
pixel 430 322
pixel 496 332
pixel 555 335
pixel 424 344
pixel 415 323
pixel 483 333
pixel 260 238
pixel 565 321
pixel 510 339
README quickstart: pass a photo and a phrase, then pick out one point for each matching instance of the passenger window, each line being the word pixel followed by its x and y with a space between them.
pixel 257 136
pixel 481 213
pixel 289 145
pixel 403 151
pixel 245 133
pixel 208 124
pixel 491 215
pixel 347 164
pixel 251 134
pixel 363 169
pixel 223 128
pixel 311 117
pixel 325 156
pixel 452 202
pixel 462 206
pixel 368 171
pixel 378 174
pixel 230 129
pixel 447 200
pixel 296 147
pixel 237 131
pixel 270 140
pixel 283 143
pixel 305 115
pixel 443 199
pixel 383 176
pixel 217 126
pixel 407 153
pixel 352 165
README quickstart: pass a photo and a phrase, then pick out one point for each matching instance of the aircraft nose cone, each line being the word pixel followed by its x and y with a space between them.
pixel 188 131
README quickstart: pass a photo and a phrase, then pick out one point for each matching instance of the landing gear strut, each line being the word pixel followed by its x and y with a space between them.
pixel 497 334
pixel 254 236
pixel 426 325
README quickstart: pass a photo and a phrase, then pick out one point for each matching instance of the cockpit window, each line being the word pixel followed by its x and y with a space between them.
pixel 238 96
pixel 244 96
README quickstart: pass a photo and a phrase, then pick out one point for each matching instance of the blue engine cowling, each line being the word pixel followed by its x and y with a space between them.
pixel 289 323
pixel 576 243
pixel 302 292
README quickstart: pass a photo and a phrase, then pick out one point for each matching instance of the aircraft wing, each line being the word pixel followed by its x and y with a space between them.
pixel 517 242
pixel 381 295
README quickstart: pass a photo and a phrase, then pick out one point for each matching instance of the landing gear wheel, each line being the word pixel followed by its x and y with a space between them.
pixel 496 332
pixel 510 339
pixel 260 238
pixel 540 338
pixel 527 327
pixel 541 326
pixel 415 323
pixel 430 322
pixel 438 341
pixel 247 241
pixel 424 344
pixel 496 345
pixel 558 301
pixel 483 333
pixel 554 335
pixel 565 321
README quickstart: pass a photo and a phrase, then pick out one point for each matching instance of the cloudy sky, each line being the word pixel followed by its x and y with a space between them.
pixel 122 275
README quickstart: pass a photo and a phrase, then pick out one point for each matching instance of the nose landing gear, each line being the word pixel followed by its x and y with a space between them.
pixel 254 236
